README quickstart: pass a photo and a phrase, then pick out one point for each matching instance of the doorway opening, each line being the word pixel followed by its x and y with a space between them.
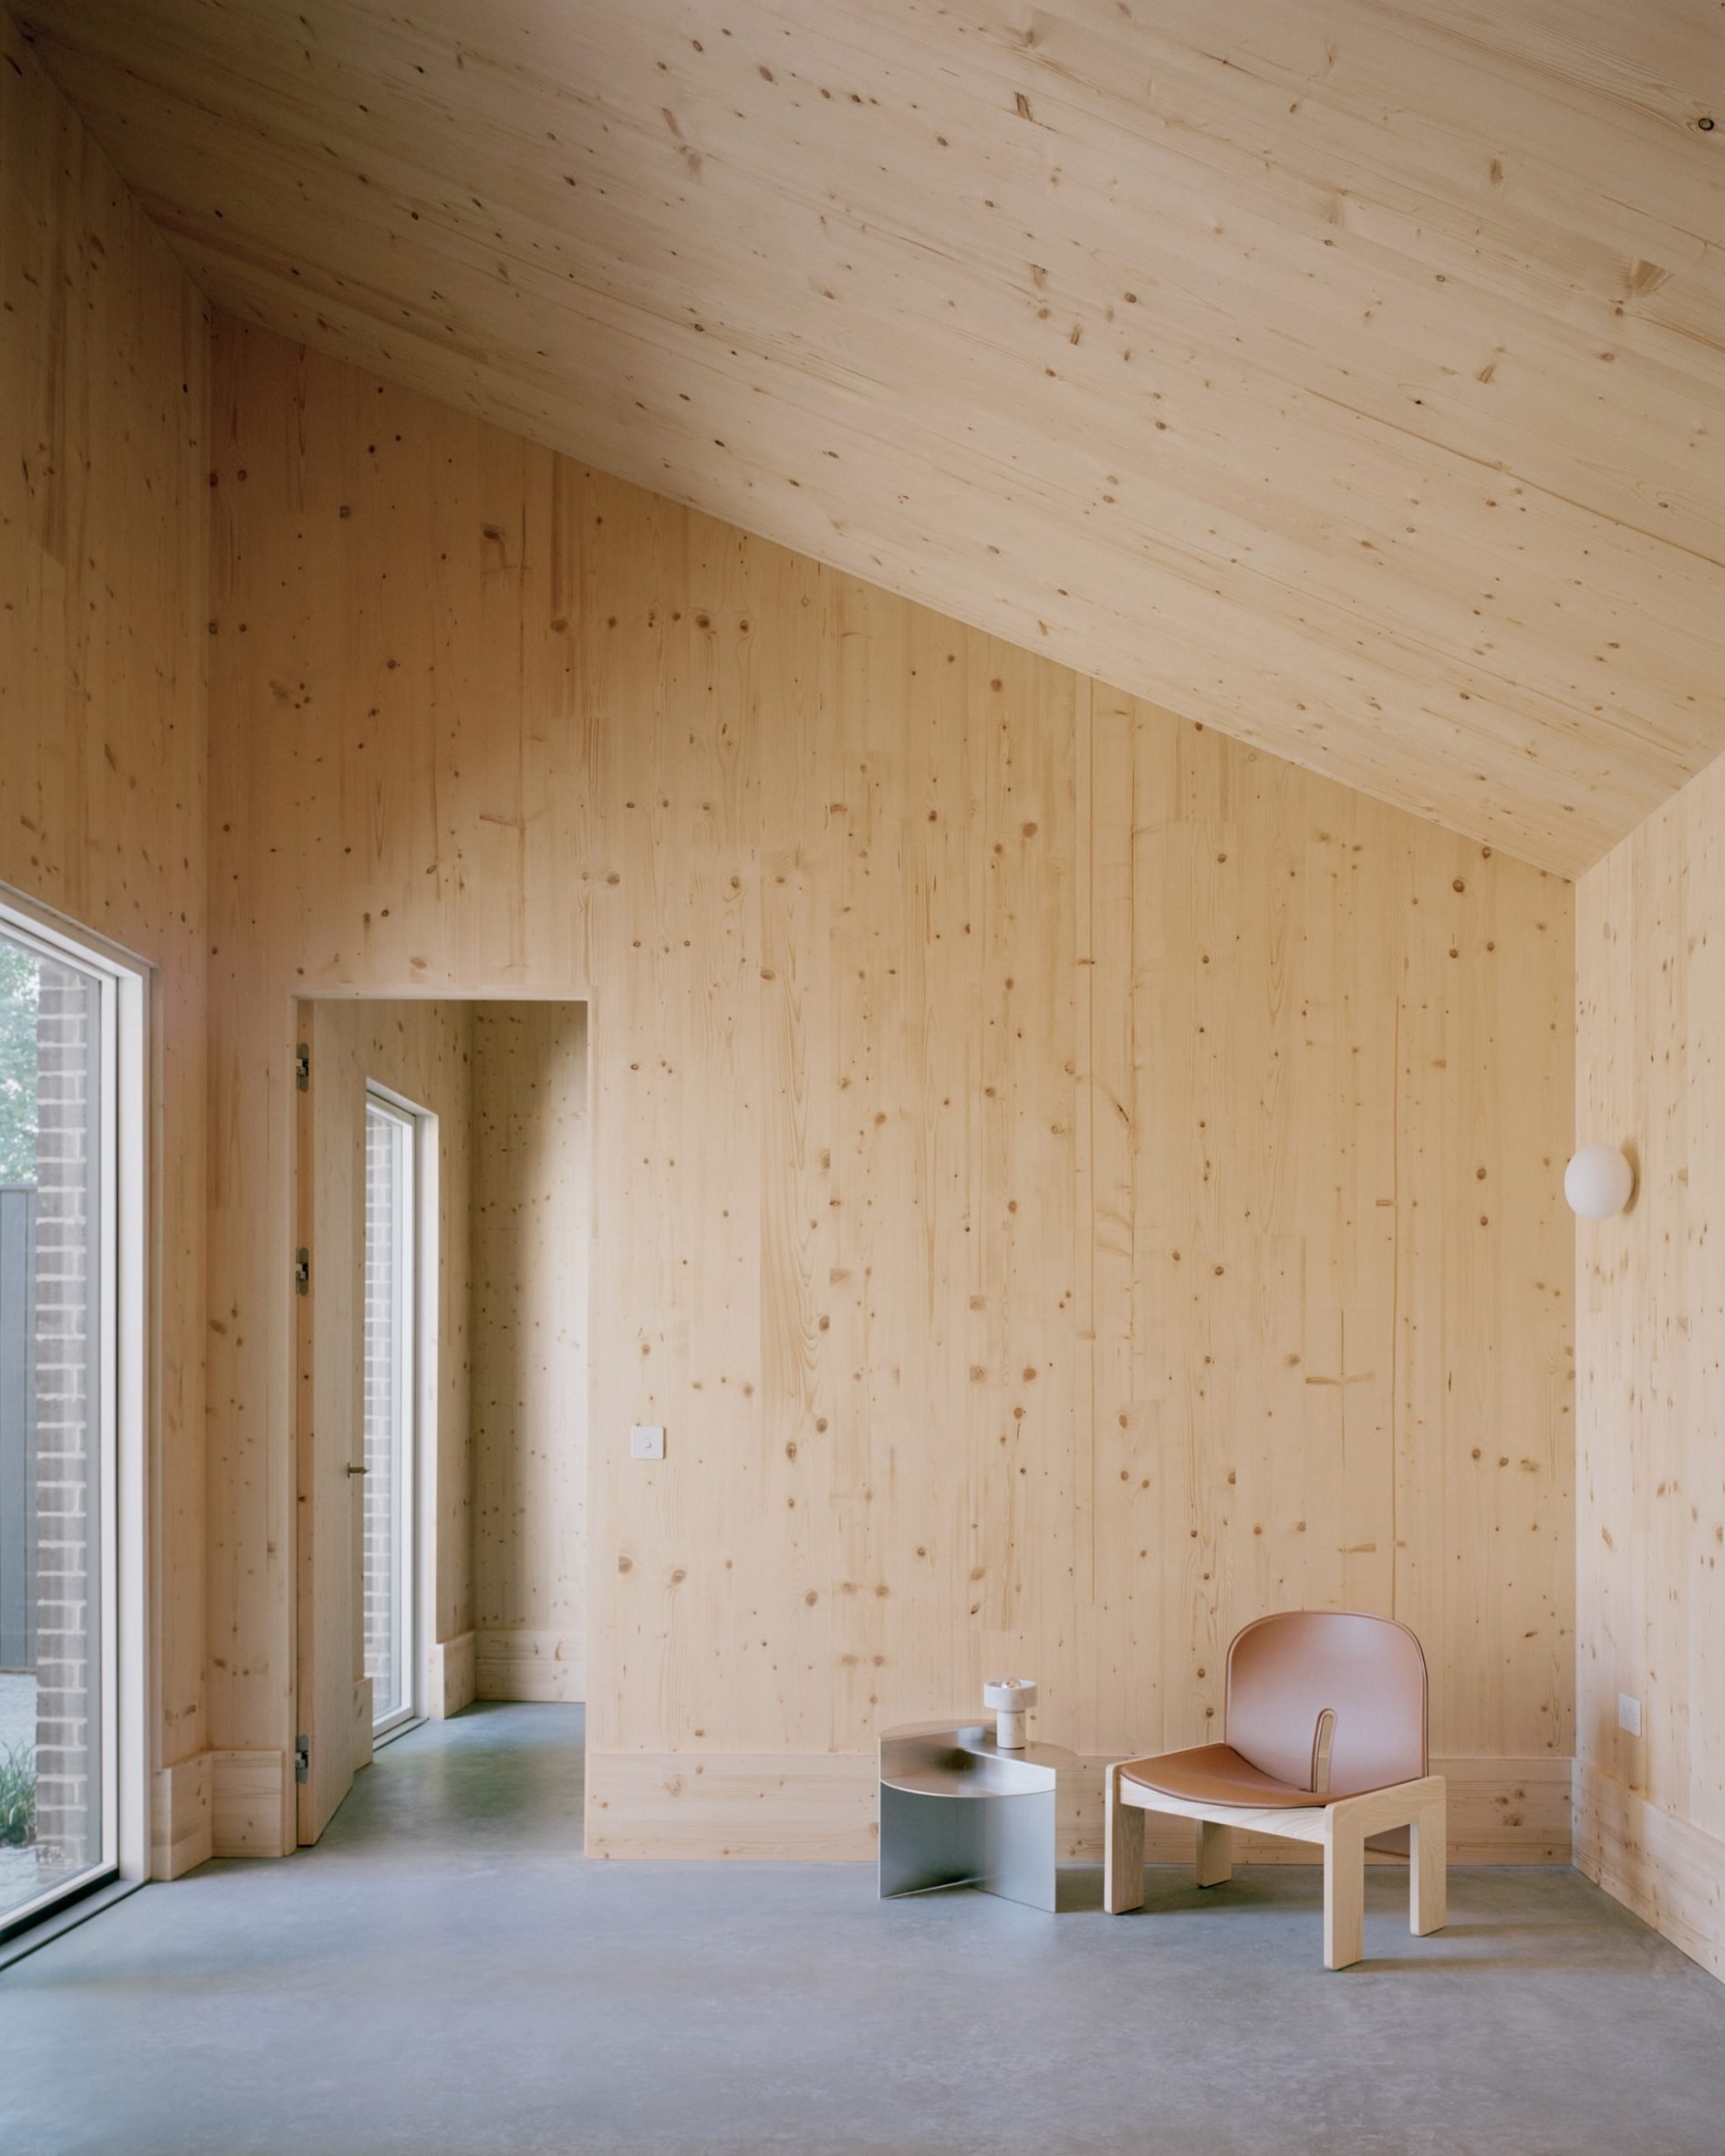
pixel 441 1351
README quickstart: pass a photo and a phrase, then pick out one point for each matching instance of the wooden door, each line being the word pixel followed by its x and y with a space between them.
pixel 329 1511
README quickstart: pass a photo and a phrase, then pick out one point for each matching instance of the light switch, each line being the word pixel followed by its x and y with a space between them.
pixel 647 1442
pixel 1629 1714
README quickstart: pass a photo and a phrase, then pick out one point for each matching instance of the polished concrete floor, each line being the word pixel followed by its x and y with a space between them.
pixel 445 1974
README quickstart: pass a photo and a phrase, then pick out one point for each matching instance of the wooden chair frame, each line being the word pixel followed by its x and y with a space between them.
pixel 1341 1827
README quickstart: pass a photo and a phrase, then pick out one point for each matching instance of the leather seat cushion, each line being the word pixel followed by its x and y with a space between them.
pixel 1215 1774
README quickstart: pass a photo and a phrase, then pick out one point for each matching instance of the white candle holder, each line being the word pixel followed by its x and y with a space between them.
pixel 1010 1700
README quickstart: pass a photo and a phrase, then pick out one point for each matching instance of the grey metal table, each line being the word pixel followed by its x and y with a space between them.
pixel 956 1810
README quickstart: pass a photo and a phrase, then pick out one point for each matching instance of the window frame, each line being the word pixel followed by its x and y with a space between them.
pixel 407 1497
pixel 126 986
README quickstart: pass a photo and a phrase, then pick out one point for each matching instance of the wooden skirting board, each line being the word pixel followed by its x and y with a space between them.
pixel 361 1724
pixel 451 1677
pixel 1670 1873
pixel 820 1807
pixel 248 1802
pixel 180 1834
pixel 517 1664
pixel 215 1804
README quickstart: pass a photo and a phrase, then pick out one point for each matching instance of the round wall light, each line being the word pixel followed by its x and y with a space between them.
pixel 1598 1183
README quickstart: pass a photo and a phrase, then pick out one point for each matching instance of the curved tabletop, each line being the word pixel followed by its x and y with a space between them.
pixel 962 1759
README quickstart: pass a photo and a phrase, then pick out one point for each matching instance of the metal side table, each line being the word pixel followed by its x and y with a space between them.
pixel 956 1810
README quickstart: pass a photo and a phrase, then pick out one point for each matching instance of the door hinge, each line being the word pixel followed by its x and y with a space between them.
pixel 302 1066
pixel 302 1758
pixel 302 1271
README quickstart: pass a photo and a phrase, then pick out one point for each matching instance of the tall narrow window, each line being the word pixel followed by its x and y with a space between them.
pixel 389 1376
pixel 59 1157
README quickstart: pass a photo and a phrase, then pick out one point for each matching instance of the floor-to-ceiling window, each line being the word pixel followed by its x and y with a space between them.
pixel 390 1376
pixel 60 1203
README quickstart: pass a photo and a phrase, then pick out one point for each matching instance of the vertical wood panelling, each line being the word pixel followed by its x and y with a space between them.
pixel 104 409
pixel 1650 1322
pixel 1066 1181
pixel 531 1223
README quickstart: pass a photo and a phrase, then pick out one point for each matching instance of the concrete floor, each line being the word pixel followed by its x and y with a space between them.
pixel 445 1974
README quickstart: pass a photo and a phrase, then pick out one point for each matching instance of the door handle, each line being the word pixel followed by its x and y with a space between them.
pixel 356 1470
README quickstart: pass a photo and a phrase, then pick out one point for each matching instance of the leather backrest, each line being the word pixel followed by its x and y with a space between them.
pixel 1285 1671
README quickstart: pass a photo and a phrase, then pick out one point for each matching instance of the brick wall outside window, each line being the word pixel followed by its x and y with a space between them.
pixel 67 1547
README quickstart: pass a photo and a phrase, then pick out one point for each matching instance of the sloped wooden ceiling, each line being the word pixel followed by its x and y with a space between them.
pixel 1348 376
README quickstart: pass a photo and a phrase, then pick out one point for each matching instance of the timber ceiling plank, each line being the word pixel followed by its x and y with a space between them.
pixel 1348 376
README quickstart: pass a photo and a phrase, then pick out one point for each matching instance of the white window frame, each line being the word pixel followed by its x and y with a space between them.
pixel 122 1394
pixel 414 1491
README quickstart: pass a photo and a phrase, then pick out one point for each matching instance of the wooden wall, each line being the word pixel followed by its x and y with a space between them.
pixel 531 1223
pixel 104 409
pixel 1650 1325
pixel 1066 1181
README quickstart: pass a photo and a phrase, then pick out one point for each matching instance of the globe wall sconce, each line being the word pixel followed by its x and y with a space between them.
pixel 1598 1183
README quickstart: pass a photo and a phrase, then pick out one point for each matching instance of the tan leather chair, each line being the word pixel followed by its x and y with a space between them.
pixel 1326 1742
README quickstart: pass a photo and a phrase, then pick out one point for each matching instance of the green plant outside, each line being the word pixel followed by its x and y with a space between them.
pixel 17 1795
pixel 20 980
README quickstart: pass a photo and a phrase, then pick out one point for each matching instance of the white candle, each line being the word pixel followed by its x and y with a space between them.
pixel 1010 1699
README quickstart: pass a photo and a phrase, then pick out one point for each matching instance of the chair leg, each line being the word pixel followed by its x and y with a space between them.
pixel 1428 1869
pixel 1344 1889
pixel 1215 1853
pixel 1122 1850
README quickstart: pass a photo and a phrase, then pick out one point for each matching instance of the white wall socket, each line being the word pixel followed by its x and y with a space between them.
pixel 647 1442
pixel 1629 1713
